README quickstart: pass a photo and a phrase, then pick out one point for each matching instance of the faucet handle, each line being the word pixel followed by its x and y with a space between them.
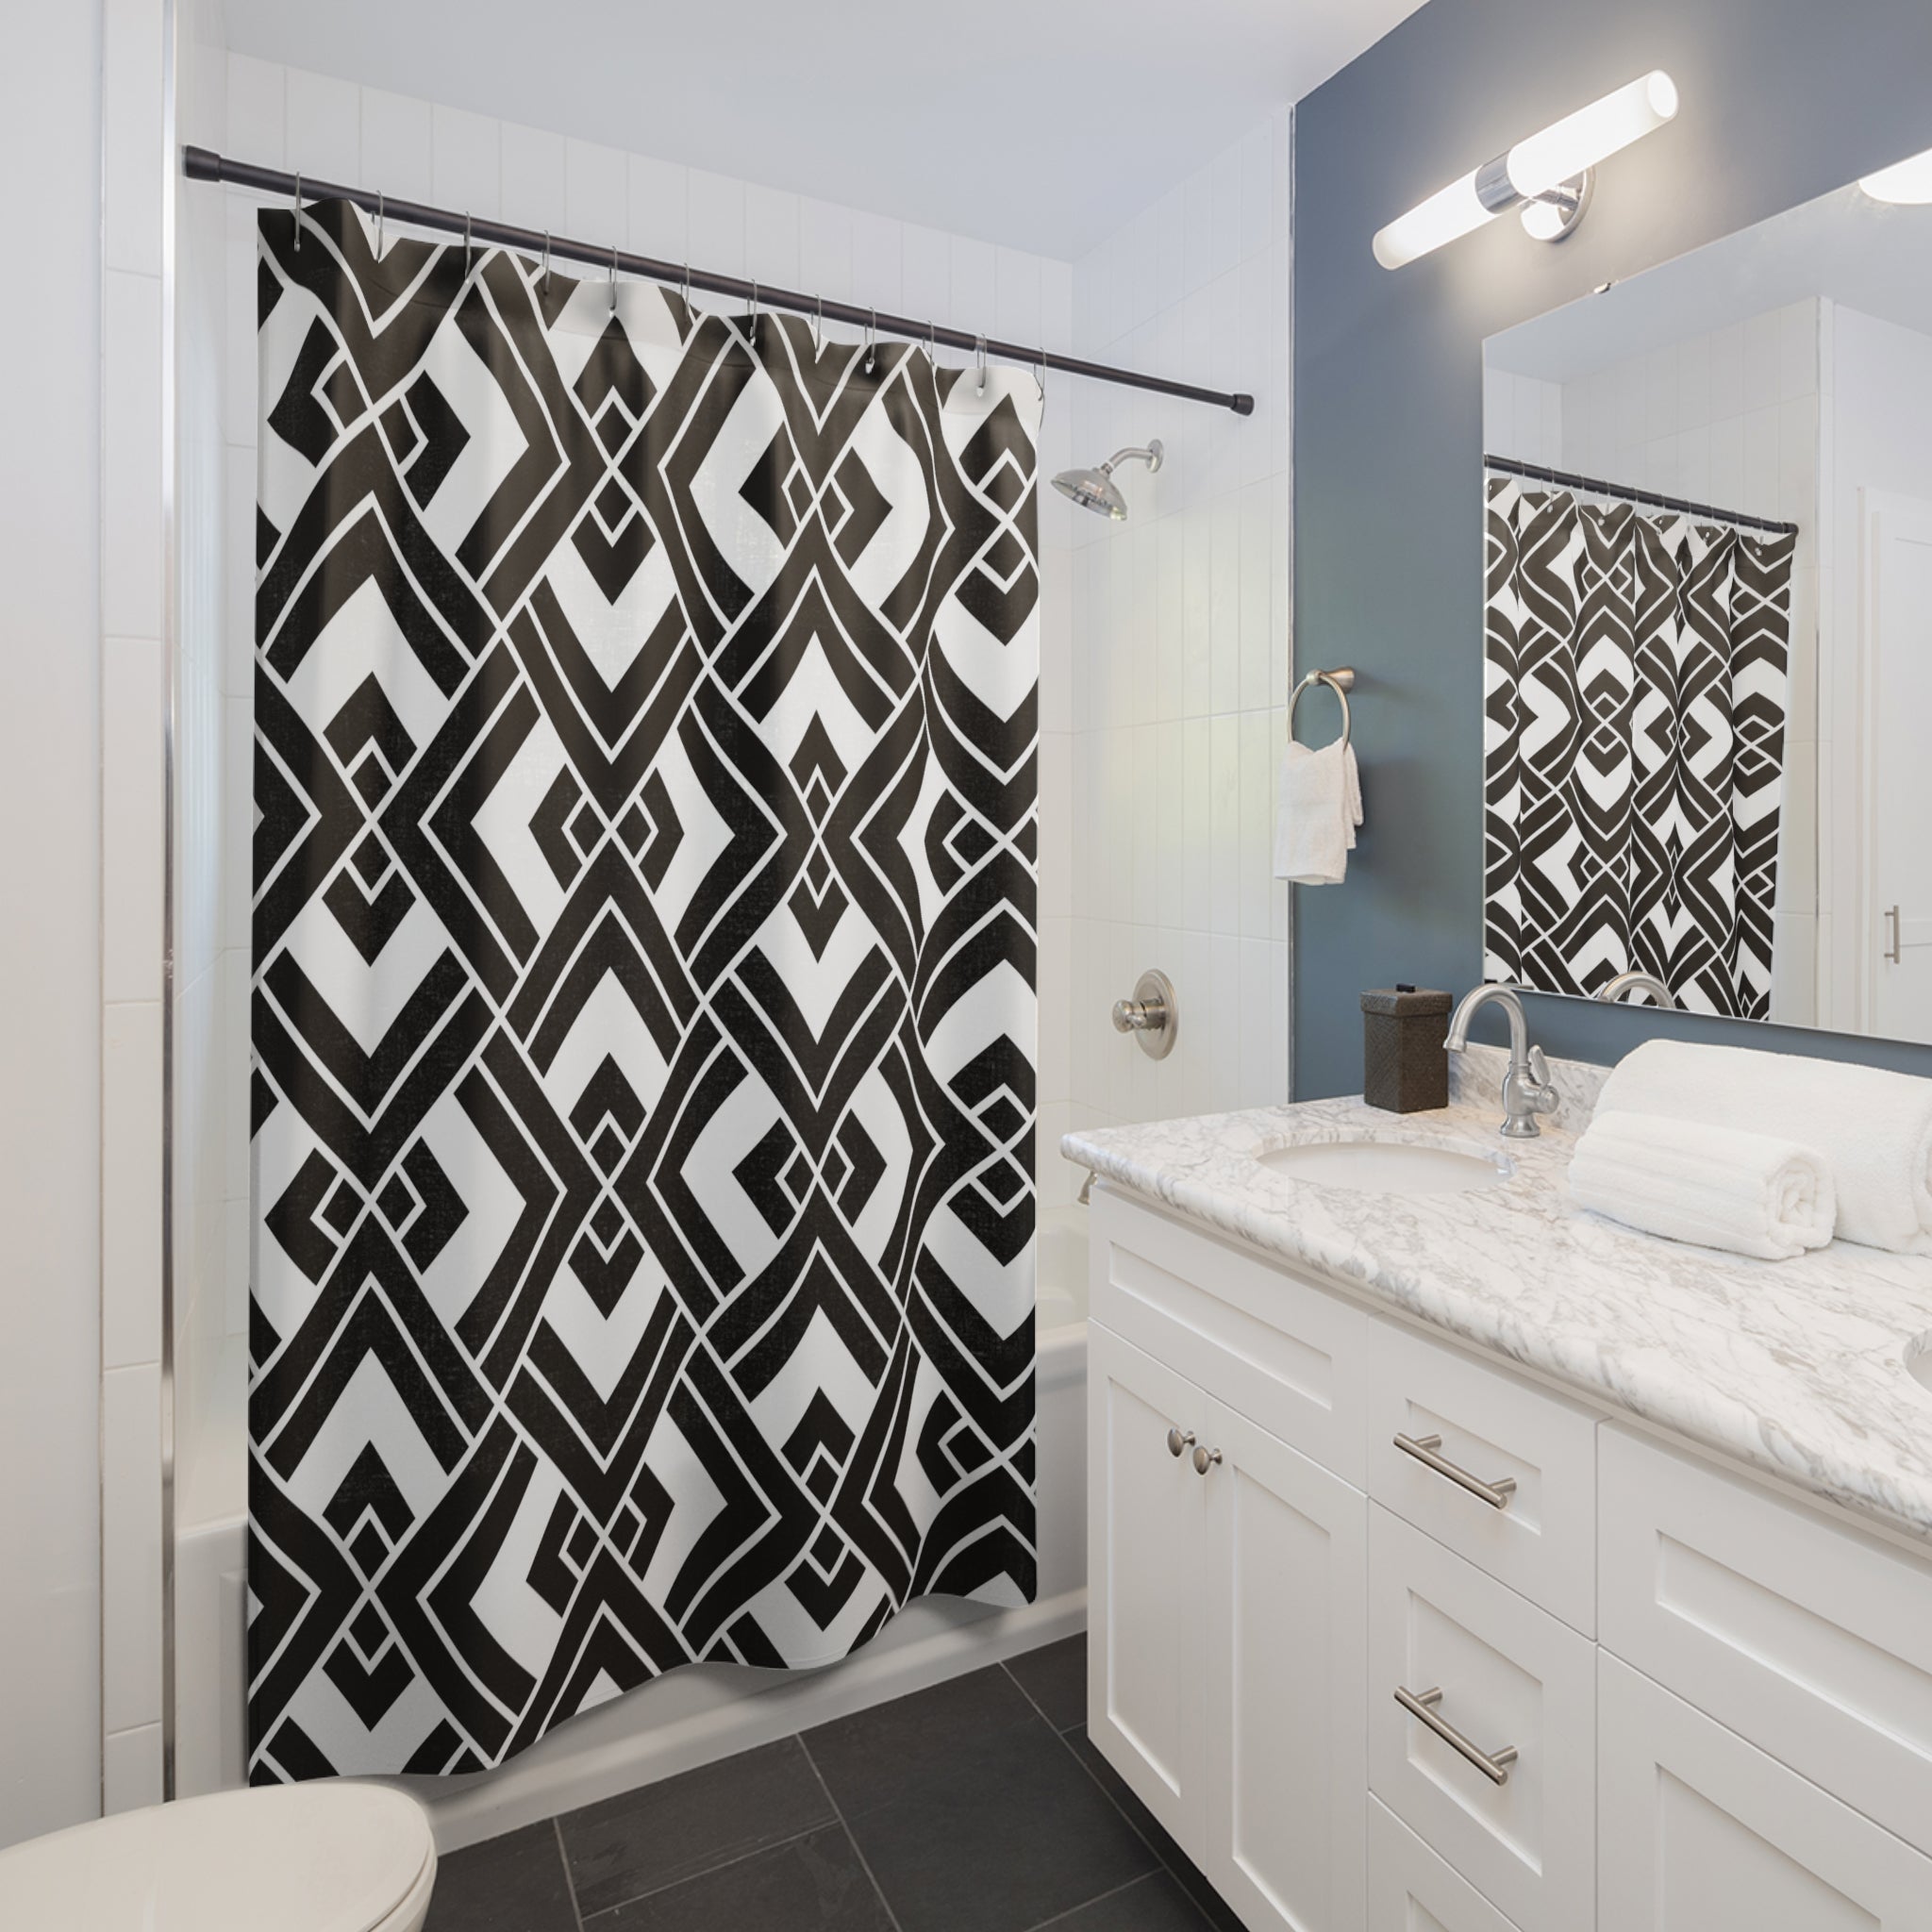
pixel 1545 1099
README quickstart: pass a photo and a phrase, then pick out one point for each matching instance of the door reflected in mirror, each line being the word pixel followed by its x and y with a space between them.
pixel 1707 637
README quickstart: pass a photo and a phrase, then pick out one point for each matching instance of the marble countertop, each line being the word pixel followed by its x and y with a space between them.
pixel 1795 1367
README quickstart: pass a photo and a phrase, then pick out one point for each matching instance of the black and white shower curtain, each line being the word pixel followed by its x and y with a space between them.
pixel 643 1010
pixel 1634 744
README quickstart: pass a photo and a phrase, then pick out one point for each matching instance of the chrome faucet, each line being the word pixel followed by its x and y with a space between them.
pixel 1527 1089
pixel 1614 990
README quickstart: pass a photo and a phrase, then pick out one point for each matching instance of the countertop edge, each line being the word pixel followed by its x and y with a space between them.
pixel 1750 1445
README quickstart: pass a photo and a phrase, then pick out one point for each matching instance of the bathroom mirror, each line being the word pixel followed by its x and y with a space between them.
pixel 1708 627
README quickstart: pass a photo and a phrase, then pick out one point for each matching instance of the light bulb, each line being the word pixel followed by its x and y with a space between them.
pixel 1905 182
pixel 1593 134
pixel 1447 213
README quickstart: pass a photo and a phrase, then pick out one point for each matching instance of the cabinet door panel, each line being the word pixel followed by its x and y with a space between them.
pixel 1288 1544
pixel 1510 1675
pixel 1147 1595
pixel 1279 1349
pixel 1808 1639
pixel 1542 1541
pixel 1699 1831
pixel 1411 1890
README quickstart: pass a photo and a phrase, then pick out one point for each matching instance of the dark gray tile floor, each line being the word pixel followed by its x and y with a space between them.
pixel 978 1806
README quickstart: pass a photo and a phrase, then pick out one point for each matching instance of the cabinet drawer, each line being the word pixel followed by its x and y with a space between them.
pixel 1510 1676
pixel 1535 1451
pixel 1699 1830
pixel 1283 1352
pixel 1811 1641
pixel 1411 1890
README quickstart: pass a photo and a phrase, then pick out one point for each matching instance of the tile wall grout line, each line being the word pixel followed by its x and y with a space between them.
pixel 844 1825
pixel 570 1883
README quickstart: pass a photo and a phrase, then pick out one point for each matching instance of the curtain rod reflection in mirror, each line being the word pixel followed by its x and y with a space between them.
pixel 1595 486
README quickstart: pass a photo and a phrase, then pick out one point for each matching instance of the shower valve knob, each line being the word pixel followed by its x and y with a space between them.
pixel 1152 1015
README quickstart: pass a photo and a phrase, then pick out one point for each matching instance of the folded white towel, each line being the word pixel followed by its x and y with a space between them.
pixel 1720 1186
pixel 1316 814
pixel 1873 1128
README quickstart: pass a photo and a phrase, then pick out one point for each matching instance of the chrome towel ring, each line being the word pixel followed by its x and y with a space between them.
pixel 1340 682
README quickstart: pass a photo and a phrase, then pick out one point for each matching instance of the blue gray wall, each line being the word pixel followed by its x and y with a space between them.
pixel 1781 101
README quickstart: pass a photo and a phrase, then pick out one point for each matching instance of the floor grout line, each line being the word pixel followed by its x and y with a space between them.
pixel 570 1883
pixel 777 1844
pixel 851 1837
pixel 1160 1860
pixel 1099 1899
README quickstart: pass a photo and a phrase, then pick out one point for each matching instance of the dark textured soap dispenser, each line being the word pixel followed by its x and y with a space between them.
pixel 1405 1062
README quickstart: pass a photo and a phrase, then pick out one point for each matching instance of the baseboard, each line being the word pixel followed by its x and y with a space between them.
pixel 704 1712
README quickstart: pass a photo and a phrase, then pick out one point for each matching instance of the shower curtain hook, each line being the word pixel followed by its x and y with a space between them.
pixel 547 257
pixel 380 213
pixel 298 210
pixel 686 286
pixel 613 278
pixel 818 326
pixel 932 344
pixel 981 341
pixel 466 244
pixel 751 327
pixel 871 341
pixel 1040 382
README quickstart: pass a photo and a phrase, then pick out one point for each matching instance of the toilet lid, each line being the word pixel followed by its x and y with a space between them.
pixel 317 1857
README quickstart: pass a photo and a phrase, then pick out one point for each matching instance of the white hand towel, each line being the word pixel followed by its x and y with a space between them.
pixel 1719 1187
pixel 1319 807
pixel 1873 1128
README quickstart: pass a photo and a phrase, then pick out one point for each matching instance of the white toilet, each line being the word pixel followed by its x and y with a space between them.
pixel 314 1858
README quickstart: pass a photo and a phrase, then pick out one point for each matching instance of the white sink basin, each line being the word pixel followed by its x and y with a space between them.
pixel 1387 1167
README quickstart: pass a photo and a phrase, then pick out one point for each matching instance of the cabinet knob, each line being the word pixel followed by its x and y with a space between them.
pixel 1176 1443
pixel 1204 1459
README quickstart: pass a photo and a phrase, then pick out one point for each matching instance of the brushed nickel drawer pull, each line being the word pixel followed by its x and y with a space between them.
pixel 1494 1765
pixel 1204 1459
pixel 1423 1448
pixel 1177 1441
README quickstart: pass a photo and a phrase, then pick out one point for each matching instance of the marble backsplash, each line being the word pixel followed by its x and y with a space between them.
pixel 1475 1079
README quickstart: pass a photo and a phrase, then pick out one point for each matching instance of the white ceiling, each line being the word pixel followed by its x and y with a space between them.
pixel 1864 254
pixel 1039 123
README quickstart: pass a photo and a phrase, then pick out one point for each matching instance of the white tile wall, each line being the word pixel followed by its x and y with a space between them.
pixel 1181 652
pixel 51 147
pixel 137 187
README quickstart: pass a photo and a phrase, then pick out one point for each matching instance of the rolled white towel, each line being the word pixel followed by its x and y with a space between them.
pixel 1873 1128
pixel 1719 1187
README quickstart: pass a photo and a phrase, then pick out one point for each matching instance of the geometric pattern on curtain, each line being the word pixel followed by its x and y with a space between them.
pixel 644 1014
pixel 1634 700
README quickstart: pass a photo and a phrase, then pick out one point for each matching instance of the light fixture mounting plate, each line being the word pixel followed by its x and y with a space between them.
pixel 1553 217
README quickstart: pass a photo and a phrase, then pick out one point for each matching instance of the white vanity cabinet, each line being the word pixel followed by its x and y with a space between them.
pixel 1645 1694
pixel 1226 1608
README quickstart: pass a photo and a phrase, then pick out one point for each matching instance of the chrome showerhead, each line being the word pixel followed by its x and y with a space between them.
pixel 1095 489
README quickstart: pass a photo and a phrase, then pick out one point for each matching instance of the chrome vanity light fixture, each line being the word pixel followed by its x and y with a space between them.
pixel 1549 175
pixel 1095 489
pixel 1907 184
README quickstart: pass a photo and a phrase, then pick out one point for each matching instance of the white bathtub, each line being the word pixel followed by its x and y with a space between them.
pixel 703 1711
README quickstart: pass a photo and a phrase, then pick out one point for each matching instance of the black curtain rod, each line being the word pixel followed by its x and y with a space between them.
pixel 204 164
pixel 1594 485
